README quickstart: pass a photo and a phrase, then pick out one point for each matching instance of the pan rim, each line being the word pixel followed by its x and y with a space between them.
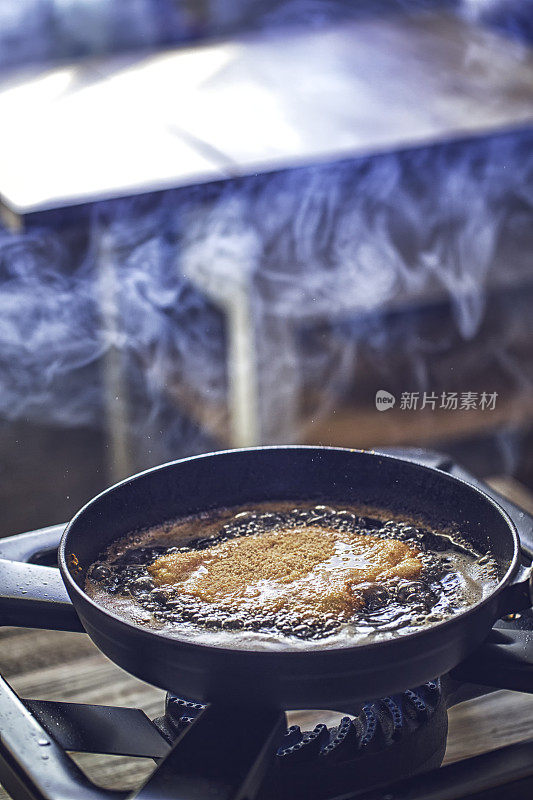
pixel 288 653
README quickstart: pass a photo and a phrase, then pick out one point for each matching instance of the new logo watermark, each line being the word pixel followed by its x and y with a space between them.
pixel 431 401
pixel 384 400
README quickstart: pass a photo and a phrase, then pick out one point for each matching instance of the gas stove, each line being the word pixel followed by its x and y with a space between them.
pixel 387 749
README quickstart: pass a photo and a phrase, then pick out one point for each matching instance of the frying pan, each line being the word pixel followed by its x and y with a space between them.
pixel 316 678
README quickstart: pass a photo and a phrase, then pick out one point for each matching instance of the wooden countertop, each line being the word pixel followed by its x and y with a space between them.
pixel 52 665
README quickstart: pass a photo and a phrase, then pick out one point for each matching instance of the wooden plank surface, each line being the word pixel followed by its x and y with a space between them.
pixel 53 665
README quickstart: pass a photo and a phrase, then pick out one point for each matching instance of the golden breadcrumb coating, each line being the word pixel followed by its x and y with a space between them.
pixel 309 569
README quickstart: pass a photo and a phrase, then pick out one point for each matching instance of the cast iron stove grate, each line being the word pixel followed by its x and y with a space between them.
pixel 390 748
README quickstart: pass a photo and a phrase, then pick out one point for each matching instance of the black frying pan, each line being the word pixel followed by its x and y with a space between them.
pixel 322 678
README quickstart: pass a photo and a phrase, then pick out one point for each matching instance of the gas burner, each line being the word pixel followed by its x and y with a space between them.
pixel 372 753
pixel 400 735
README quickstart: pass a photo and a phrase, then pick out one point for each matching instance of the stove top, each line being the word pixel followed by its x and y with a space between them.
pixel 387 749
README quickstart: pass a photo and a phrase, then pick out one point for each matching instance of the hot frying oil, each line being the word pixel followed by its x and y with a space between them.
pixel 298 575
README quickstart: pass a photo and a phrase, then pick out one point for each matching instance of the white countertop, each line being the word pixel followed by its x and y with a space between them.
pixel 123 125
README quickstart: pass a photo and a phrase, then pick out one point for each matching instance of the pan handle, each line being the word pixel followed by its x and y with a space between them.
pixel 33 595
pixel 504 661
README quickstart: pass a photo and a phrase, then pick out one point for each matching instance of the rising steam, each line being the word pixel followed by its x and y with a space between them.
pixel 138 321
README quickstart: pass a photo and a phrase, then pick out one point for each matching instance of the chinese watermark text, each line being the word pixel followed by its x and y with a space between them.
pixel 448 401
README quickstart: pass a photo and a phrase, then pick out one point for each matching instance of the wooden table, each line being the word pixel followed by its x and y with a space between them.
pixel 53 665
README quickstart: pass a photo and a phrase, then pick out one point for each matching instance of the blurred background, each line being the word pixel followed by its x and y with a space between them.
pixel 233 222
